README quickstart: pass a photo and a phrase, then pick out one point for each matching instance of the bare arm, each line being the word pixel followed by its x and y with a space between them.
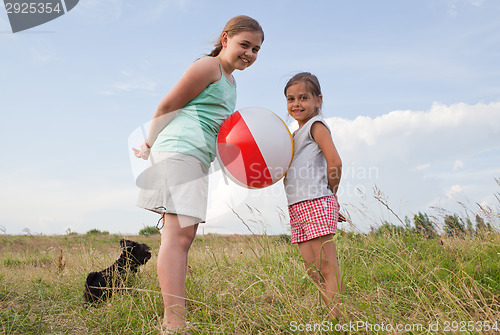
pixel 323 138
pixel 197 77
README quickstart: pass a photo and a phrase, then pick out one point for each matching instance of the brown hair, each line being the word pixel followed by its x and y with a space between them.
pixel 234 26
pixel 310 80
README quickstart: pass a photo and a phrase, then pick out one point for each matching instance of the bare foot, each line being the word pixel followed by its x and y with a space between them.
pixel 170 328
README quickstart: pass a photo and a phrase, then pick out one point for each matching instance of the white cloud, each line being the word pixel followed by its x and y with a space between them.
pixel 417 158
pixel 409 155
pixel 458 165
pixel 129 81
pixel 260 210
pixel 476 3
pixel 421 155
pixel 49 205
pixel 422 167
pixel 441 133
pixel 453 190
pixel 133 80
pixel 454 5
pixel 133 85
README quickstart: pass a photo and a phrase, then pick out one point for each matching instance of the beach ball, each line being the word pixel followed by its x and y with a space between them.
pixel 254 147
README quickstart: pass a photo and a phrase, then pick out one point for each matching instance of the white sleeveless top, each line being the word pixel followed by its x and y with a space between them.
pixel 306 178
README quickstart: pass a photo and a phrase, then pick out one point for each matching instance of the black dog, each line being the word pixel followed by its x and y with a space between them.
pixel 99 285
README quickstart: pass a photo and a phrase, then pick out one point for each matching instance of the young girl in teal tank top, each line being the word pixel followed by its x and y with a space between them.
pixel 194 129
pixel 182 136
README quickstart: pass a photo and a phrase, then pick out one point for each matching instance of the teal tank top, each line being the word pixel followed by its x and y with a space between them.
pixel 193 131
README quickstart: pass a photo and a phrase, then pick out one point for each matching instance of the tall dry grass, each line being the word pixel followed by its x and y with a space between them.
pixel 255 285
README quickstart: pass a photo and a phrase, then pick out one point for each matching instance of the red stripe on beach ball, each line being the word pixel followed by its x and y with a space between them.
pixel 240 153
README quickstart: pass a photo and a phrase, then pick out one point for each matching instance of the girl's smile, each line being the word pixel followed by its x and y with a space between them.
pixel 301 104
pixel 241 50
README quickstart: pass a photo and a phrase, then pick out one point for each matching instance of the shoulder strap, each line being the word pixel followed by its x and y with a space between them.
pixel 222 72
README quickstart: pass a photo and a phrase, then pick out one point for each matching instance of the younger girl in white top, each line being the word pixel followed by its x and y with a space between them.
pixel 311 185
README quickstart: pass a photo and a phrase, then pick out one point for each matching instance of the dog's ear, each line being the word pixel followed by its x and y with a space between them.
pixel 128 244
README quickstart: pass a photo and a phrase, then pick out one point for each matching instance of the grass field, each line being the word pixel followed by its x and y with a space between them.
pixel 249 284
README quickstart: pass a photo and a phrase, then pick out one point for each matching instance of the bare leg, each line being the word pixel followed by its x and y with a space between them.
pixel 309 256
pixel 172 267
pixel 321 253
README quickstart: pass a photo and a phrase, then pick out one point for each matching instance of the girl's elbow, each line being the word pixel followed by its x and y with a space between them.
pixel 163 108
pixel 335 164
pixel 338 164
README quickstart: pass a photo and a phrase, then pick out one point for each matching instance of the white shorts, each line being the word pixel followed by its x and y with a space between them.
pixel 176 183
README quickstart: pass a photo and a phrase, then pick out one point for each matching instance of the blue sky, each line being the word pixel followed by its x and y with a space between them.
pixel 411 92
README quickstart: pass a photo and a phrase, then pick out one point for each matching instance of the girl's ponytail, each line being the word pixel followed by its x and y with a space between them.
pixel 216 51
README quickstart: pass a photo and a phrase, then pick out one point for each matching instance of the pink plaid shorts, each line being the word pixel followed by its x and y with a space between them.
pixel 313 218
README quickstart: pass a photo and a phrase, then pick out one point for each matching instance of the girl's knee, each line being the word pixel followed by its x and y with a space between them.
pixel 178 238
pixel 185 240
pixel 179 241
pixel 325 266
